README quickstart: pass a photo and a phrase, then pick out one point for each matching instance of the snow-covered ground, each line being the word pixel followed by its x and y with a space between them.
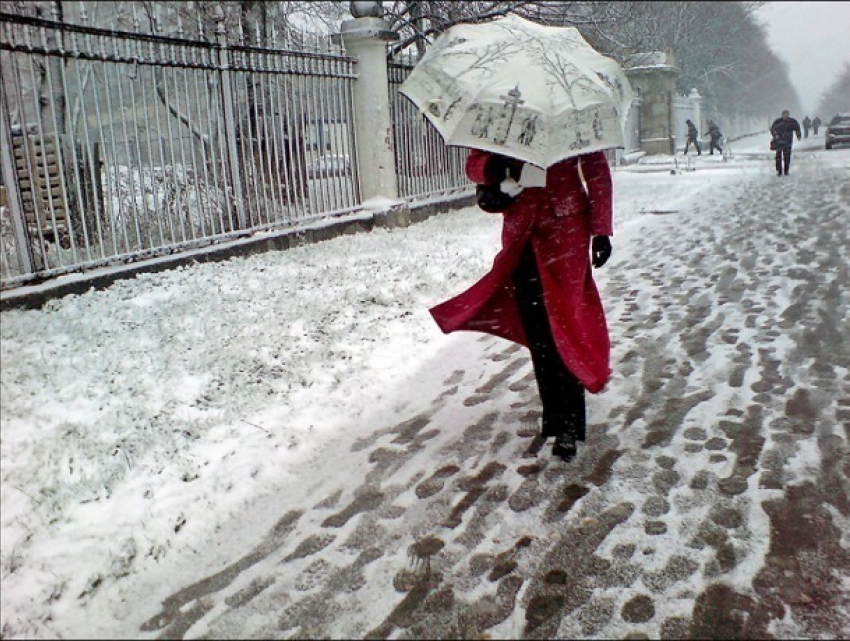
pixel 285 445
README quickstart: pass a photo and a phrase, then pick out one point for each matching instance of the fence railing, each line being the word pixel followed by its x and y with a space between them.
pixel 127 145
pixel 425 165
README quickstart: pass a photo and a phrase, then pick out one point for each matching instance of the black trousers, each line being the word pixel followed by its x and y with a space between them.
pixel 561 393
pixel 695 143
pixel 715 144
pixel 780 155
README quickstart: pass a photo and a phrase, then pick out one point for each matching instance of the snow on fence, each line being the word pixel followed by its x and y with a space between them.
pixel 154 145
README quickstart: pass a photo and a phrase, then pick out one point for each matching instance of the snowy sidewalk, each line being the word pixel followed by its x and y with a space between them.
pixel 710 501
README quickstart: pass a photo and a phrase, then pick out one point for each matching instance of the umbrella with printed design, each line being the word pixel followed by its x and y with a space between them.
pixel 511 86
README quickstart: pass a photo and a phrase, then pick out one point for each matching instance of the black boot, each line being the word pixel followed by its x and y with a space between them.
pixel 564 447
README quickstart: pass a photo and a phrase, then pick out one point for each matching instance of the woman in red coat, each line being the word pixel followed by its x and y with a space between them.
pixel 540 291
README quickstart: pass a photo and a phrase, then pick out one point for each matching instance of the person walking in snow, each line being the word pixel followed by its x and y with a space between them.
pixel 540 291
pixel 816 125
pixel 806 126
pixel 715 135
pixel 693 137
pixel 783 130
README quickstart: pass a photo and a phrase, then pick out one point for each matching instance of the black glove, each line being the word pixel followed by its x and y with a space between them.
pixel 499 167
pixel 600 250
pixel 492 199
pixel 490 196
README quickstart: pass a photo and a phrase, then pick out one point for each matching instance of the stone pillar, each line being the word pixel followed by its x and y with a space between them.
pixel 653 76
pixel 365 38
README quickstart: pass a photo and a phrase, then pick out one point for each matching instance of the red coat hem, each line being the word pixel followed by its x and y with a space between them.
pixel 559 221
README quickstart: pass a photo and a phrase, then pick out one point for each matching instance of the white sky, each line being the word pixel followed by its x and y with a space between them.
pixel 812 37
pixel 200 437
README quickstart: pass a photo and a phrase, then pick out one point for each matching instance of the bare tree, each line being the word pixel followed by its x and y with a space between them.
pixel 836 98
pixel 719 47
pixel 418 22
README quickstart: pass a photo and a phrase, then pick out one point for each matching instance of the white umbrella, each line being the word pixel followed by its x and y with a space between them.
pixel 525 90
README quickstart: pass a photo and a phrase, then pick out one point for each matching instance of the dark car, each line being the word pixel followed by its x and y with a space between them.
pixel 837 131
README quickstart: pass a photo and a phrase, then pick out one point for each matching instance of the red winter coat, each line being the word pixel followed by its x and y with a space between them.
pixel 559 220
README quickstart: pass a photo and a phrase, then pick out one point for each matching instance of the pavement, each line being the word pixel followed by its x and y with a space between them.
pixel 757 297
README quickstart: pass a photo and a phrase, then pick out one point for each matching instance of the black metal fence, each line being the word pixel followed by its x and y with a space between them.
pixel 425 166
pixel 119 146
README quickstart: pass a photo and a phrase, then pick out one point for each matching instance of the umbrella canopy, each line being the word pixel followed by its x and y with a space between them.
pixel 525 90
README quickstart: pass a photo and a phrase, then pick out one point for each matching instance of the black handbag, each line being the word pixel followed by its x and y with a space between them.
pixel 492 199
pixel 773 144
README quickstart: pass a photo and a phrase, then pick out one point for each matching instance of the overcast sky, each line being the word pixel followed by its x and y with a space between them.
pixel 812 38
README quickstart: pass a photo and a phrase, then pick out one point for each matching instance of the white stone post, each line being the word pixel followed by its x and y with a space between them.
pixel 696 108
pixel 365 38
pixel 654 75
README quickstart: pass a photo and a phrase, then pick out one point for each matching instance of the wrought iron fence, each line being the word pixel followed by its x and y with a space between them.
pixel 425 165
pixel 119 146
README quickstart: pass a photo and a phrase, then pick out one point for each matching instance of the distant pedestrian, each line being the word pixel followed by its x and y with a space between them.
pixel 693 137
pixel 540 291
pixel 815 124
pixel 716 135
pixel 807 124
pixel 783 130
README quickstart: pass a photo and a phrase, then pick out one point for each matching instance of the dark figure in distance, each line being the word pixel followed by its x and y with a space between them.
pixel 807 124
pixel 783 130
pixel 692 138
pixel 716 136
pixel 816 124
